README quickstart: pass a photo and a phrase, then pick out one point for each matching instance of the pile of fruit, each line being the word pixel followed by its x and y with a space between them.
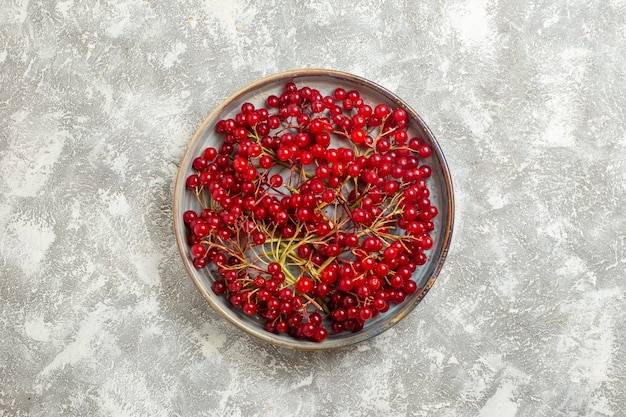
pixel 315 211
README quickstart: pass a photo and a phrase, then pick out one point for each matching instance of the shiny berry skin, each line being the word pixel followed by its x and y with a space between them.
pixel 381 111
pixel 304 285
pixel 249 308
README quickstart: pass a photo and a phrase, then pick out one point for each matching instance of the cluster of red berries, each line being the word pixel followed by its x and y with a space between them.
pixel 315 211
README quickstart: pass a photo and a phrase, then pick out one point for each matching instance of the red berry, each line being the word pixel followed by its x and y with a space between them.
pixel 357 136
pixel 424 151
pixel 189 216
pixel 247 108
pixel 320 334
pixel 381 111
pixel 193 181
pixel 219 287
pixel 274 268
pixel 304 285
pixel 276 181
pixel 399 115
pixel 365 313
pixel 198 250
pixel 249 308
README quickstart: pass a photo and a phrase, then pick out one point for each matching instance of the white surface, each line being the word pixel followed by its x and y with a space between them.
pixel 98 101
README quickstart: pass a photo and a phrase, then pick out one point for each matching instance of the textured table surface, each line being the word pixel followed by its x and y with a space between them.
pixel 98 101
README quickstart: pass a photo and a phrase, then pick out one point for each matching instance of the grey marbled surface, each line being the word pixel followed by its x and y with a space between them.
pixel 98 100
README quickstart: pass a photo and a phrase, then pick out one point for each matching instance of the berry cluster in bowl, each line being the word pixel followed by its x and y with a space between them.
pixel 314 210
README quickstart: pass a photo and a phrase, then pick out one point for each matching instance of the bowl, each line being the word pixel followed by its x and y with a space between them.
pixel 326 81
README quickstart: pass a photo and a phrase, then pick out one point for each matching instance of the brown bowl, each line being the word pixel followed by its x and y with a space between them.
pixel 440 185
